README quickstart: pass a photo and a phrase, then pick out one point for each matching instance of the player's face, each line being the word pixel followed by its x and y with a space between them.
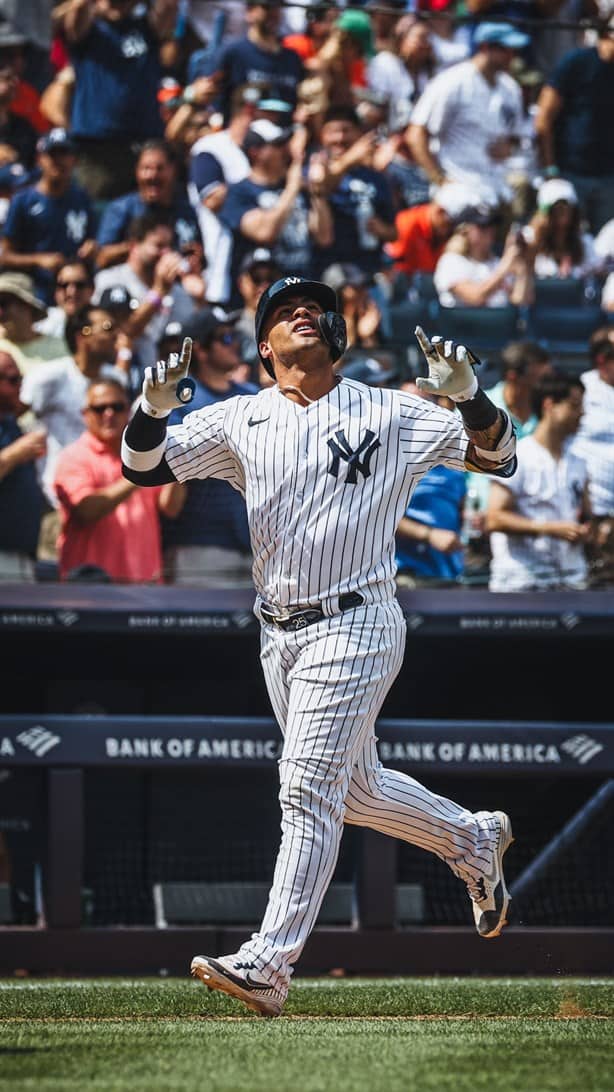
pixel 292 328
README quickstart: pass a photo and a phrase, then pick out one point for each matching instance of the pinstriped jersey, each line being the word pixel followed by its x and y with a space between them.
pixel 325 485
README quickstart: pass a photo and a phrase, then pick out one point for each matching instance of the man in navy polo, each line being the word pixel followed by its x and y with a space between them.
pixel 157 191
pixel 51 220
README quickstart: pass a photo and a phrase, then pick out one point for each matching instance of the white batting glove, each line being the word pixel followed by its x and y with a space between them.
pixel 166 386
pixel 450 368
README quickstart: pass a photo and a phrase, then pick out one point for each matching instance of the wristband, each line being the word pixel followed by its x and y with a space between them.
pixel 478 413
pixel 124 354
pixel 154 298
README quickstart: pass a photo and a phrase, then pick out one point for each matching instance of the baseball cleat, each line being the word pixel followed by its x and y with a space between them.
pixel 489 895
pixel 238 980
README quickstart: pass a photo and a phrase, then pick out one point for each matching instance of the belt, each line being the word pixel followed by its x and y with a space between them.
pixel 299 619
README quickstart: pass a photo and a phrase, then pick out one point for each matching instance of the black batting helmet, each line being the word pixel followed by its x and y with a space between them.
pixel 317 290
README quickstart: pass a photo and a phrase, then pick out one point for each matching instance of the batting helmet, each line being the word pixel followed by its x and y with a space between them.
pixel 331 324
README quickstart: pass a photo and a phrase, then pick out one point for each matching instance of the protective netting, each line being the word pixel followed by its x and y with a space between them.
pixel 222 827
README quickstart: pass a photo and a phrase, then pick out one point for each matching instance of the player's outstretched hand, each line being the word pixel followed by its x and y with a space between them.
pixel 450 368
pixel 167 385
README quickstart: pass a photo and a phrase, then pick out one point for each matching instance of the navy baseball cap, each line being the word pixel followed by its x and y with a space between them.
pixel 56 140
pixel 502 34
pixel 285 288
pixel 117 298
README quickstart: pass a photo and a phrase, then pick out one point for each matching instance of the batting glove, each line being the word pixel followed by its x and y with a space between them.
pixel 166 386
pixel 450 368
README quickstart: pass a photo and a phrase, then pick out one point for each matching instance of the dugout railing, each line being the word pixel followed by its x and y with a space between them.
pixel 131 813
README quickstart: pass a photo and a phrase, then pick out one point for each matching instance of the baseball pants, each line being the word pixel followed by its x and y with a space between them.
pixel 327 684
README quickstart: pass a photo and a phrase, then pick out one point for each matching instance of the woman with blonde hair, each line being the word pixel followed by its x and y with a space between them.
pixel 471 274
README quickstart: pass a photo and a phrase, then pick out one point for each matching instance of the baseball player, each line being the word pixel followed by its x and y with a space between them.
pixel 327 466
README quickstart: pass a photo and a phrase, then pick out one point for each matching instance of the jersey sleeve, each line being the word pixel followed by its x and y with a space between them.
pixel 239 201
pixel 206 173
pixel 113 224
pixel 430 436
pixel 198 448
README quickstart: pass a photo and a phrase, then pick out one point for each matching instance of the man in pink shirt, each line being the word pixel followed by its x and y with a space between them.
pixel 105 520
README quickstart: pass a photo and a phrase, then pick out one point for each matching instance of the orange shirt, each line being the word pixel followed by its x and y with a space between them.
pixel 415 250
pixel 26 104
pixel 125 543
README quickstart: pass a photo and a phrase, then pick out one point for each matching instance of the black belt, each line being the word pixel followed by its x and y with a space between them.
pixel 301 618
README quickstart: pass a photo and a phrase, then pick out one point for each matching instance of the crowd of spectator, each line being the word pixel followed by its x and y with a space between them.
pixel 438 161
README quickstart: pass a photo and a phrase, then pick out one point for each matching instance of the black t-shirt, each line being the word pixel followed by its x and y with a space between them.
pixel 22 137
pixel 583 131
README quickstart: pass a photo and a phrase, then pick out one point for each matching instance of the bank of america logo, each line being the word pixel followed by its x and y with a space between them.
pixel 38 740
pixel 582 748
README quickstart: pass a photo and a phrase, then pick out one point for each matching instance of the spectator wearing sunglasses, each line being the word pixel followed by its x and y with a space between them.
pixel 74 287
pixel 21 501
pixel 106 521
pixel 208 543
pixel 55 391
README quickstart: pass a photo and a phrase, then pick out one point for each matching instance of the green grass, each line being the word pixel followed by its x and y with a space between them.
pixel 347 1035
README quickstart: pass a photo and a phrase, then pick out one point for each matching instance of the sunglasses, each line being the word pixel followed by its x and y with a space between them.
pixel 72 284
pixel 107 326
pixel 115 407
pixel 14 380
pixel 226 339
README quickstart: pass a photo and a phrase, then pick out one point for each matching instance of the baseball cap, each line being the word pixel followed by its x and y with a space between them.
pixel 502 34
pixel 262 131
pixel 555 189
pixel 342 273
pixel 203 326
pixel 454 198
pixel 368 370
pixel 117 298
pixel 260 256
pixel 358 25
pixel 276 106
pixel 22 287
pixel 483 215
pixel 287 287
pixel 56 140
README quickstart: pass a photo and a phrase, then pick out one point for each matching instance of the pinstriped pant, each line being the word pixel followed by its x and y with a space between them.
pixel 327 684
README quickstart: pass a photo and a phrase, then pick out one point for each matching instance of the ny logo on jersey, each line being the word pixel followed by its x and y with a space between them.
pixel 341 450
pixel 76 225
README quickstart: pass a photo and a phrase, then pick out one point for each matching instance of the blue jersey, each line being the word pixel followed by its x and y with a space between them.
pixel 214 514
pixel 437 502
pixel 39 224
pixel 361 194
pixel 118 214
pixel 292 251
pixel 117 75
pixel 242 62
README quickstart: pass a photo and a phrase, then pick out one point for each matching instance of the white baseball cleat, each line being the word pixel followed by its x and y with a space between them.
pixel 229 975
pixel 489 895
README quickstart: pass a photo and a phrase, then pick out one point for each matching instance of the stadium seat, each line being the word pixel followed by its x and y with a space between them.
pixel 559 292
pixel 485 329
pixel 565 331
pixel 423 288
pixel 236 904
pixel 6 913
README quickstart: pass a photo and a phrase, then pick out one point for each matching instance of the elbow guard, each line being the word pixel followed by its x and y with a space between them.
pixel 503 457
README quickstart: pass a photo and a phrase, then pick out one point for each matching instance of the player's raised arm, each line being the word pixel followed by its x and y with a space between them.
pixel 144 442
pixel 492 448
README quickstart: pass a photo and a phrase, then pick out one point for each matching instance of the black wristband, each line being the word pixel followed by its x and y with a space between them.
pixel 478 413
pixel 144 432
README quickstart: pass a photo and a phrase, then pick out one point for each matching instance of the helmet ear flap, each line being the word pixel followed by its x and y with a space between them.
pixel 334 332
